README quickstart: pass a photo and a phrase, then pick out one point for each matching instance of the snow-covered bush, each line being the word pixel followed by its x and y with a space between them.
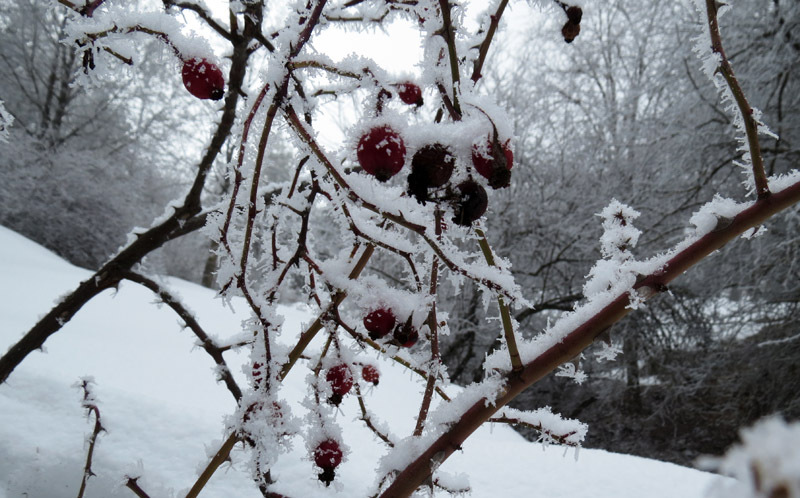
pixel 420 162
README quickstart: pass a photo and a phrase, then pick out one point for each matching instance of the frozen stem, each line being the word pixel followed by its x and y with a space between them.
pixel 505 314
pixel 750 124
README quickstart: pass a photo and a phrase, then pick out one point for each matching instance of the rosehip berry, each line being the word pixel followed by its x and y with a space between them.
pixel 431 167
pixel 203 79
pixel 370 374
pixel 328 456
pixel 494 162
pixel 410 94
pixel 340 380
pixel 471 204
pixel 405 334
pixel 381 152
pixel 379 323
pixel 574 14
pixel 570 31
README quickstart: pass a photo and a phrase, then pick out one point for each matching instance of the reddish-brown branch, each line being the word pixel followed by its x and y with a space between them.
pixel 750 123
pixel 410 478
pixel 494 20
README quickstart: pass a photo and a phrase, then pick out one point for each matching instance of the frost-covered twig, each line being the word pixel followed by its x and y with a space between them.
pixel 552 427
pixel 90 404
pixel 494 21
pixel 747 113
pixel 505 314
pixel 206 342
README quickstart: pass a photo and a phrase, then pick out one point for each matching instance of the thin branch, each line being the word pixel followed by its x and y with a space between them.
pixel 202 14
pixel 368 420
pixel 91 408
pixel 750 123
pixel 132 484
pixel 505 314
pixel 206 342
pixel 213 465
pixel 494 20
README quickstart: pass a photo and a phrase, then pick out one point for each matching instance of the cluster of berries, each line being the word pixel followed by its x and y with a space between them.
pixel 328 453
pixel 381 152
pixel 382 322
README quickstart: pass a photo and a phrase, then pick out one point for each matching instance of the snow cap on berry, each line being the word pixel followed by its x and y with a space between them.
pixel 381 152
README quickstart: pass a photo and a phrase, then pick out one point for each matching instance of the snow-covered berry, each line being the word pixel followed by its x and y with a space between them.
pixel 493 161
pixel 328 456
pixel 431 167
pixel 341 381
pixel 381 152
pixel 203 79
pixel 379 323
pixel 370 374
pixel 471 203
pixel 410 93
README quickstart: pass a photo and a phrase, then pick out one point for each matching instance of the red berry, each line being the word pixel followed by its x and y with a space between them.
pixel 494 162
pixel 203 79
pixel 379 323
pixel 340 380
pixel 405 334
pixel 471 204
pixel 381 152
pixel 410 93
pixel 327 456
pixel 370 374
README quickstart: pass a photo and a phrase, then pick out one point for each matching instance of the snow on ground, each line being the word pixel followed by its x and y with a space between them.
pixel 165 414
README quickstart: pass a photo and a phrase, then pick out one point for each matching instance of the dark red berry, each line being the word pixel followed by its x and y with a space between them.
pixel 494 162
pixel 381 152
pixel 379 323
pixel 431 167
pixel 370 374
pixel 405 334
pixel 570 31
pixel 328 456
pixel 203 79
pixel 410 94
pixel 340 380
pixel 574 14
pixel 470 204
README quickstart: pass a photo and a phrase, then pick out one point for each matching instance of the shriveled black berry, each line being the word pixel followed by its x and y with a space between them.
pixel 570 31
pixel 574 14
pixel 431 167
pixel 470 204
pixel 405 334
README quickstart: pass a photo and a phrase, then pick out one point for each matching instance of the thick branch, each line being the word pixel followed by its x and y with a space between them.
pixel 582 337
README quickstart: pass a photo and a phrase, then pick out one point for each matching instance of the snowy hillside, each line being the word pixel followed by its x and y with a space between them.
pixel 165 414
